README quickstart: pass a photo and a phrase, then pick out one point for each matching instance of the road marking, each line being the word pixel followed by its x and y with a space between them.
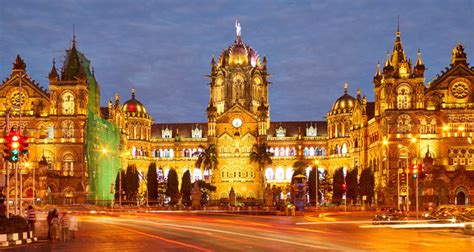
pixel 158 237
pixel 311 230
pixel 230 233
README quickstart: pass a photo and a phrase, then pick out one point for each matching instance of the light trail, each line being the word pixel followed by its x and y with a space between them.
pixel 158 237
pixel 223 232
pixel 414 226
pixel 361 222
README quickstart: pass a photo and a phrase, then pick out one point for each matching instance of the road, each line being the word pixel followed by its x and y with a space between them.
pixel 221 232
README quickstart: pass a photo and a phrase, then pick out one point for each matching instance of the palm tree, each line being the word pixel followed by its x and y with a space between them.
pixel 299 168
pixel 261 156
pixel 207 159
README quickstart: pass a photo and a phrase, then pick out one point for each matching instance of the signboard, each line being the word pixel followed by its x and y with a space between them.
pixel 403 191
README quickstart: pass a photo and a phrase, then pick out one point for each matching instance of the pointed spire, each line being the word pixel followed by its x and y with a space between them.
pixel 378 73
pixel 54 73
pixel 73 36
pixel 358 93
pixel 419 67
pixel 133 93
pixel 388 62
pixel 398 26
pixel 346 86
pixel 19 64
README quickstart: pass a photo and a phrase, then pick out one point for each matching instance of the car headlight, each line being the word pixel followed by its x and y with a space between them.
pixel 383 216
pixel 453 220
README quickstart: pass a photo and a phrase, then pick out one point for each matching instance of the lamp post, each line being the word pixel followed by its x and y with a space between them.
pixel 317 182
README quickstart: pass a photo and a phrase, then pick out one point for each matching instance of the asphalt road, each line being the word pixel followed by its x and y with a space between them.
pixel 218 232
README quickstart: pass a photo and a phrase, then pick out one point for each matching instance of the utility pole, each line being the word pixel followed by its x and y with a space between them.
pixel 7 167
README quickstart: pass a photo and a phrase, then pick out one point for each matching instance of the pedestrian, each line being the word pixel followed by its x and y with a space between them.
pixel 55 227
pixel 64 227
pixel 48 220
pixel 31 217
pixel 73 226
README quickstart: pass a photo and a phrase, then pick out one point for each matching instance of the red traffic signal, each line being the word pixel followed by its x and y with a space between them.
pixel 6 146
pixel 344 186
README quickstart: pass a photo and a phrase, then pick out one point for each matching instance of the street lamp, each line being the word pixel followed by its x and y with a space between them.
pixel 317 182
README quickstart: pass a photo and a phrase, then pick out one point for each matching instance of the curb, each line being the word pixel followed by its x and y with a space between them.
pixel 13 239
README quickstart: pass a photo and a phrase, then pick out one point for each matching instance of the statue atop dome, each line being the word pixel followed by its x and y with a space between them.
pixel 238 29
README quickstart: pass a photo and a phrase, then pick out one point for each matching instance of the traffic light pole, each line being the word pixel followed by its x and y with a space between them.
pixel 416 183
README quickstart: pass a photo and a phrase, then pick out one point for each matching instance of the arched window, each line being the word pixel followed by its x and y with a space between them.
pixel 279 174
pixel 134 151
pixel 344 149
pixel 171 153
pixel 308 170
pixel 403 97
pixel 306 151
pixel 50 132
pixel 289 173
pixel 197 175
pixel 404 124
pixel 166 153
pixel 292 151
pixel 282 151
pixel 67 103
pixel 67 127
pixel 277 152
pixel 311 151
pixel 323 151
pixel 287 151
pixel 68 165
pixel 338 150
pixel 269 175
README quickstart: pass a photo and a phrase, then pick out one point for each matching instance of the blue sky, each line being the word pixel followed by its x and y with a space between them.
pixel 164 48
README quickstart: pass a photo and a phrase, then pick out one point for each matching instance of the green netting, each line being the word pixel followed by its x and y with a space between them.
pixel 100 134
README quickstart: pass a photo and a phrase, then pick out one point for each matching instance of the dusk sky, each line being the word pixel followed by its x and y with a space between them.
pixel 164 48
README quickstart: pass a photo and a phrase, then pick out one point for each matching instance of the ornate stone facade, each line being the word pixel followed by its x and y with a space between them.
pixel 409 122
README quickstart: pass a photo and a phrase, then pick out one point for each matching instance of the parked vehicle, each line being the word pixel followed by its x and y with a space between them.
pixel 390 216
pixel 443 213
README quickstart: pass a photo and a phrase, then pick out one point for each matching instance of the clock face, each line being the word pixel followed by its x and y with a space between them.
pixel 18 99
pixel 460 90
pixel 237 122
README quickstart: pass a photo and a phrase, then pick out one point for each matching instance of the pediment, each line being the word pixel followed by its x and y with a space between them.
pixel 33 88
pixel 236 109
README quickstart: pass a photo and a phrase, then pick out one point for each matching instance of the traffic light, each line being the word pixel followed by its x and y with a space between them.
pixel 403 178
pixel 14 147
pixel 414 171
pixel 344 187
pixel 24 145
pixel 6 146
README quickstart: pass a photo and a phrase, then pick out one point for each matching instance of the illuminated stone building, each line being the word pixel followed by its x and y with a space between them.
pixel 409 122
pixel 55 122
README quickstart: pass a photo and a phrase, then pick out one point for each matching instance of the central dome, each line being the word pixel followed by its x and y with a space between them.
pixel 344 104
pixel 239 53
pixel 134 107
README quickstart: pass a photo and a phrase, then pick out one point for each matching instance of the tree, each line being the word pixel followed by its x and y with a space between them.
pixel 337 181
pixel 152 183
pixel 312 185
pixel 324 186
pixel 299 168
pixel 352 185
pixel 207 159
pixel 367 184
pixel 261 155
pixel 122 174
pixel 206 189
pixel 172 186
pixel 132 182
pixel 186 188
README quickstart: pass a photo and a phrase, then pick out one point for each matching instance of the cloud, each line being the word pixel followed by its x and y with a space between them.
pixel 163 48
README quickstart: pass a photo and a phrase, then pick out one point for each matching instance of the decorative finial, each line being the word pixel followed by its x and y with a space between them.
pixel 358 91
pixel 346 86
pixel 133 93
pixel 238 29
pixel 418 61
pixel 378 69
pixel 73 36
pixel 388 62
pixel 398 26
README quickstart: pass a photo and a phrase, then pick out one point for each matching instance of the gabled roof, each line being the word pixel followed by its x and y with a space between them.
pixel 298 127
pixel 184 129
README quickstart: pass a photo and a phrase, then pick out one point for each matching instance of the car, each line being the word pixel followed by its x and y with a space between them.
pixel 390 216
pixel 466 216
pixel 443 213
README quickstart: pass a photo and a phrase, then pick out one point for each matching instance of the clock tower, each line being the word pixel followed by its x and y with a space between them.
pixel 238 116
